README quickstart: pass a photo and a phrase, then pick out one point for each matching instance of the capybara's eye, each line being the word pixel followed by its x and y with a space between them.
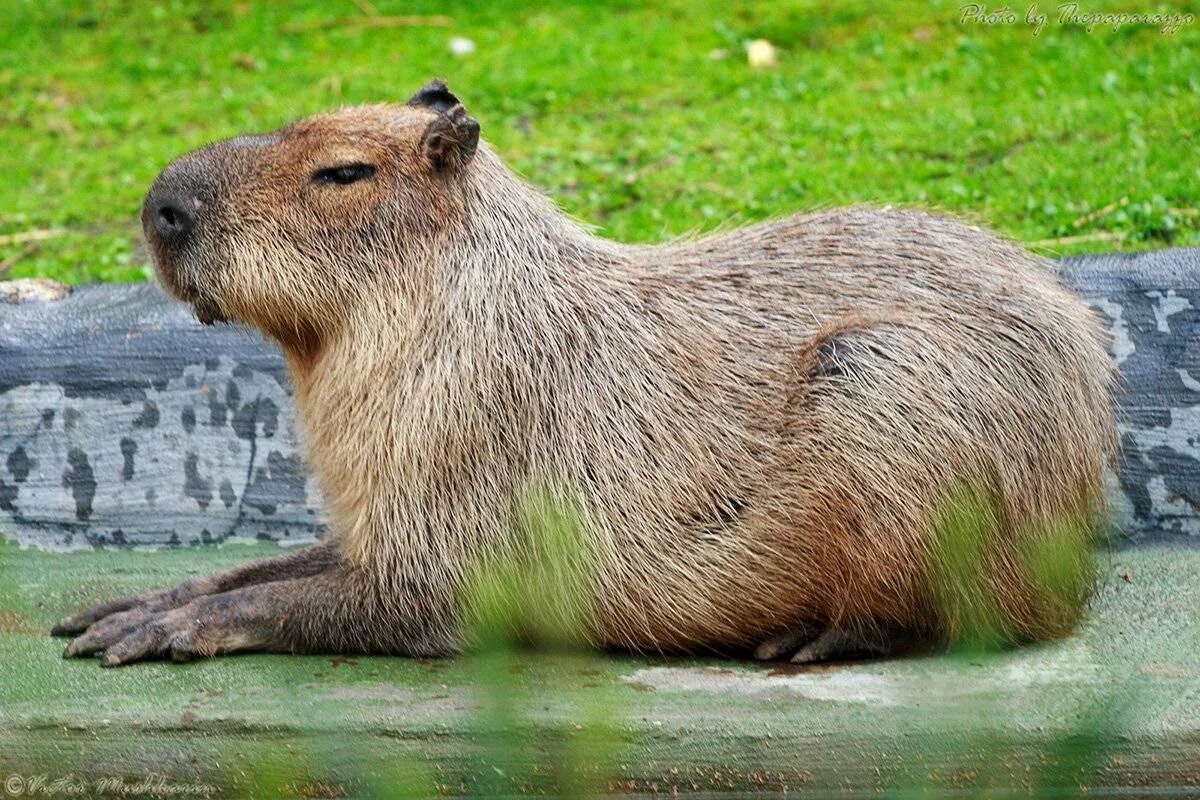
pixel 343 175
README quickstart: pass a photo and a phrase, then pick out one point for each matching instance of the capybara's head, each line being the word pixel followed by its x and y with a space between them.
pixel 282 230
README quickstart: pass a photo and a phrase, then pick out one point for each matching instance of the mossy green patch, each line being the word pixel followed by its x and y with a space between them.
pixel 318 723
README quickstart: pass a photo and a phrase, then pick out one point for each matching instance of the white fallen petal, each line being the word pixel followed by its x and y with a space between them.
pixel 762 54
pixel 461 46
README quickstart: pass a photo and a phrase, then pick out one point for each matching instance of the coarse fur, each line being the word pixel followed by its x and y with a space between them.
pixel 759 426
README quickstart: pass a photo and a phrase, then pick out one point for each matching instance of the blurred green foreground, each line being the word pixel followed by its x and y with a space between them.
pixel 1110 709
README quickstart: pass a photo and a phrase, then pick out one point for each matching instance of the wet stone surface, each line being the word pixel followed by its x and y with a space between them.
pixel 123 421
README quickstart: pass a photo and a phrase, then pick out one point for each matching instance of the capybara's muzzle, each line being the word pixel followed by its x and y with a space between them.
pixel 173 220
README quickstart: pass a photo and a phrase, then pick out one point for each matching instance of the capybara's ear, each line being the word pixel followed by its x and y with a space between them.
pixel 451 139
pixel 436 95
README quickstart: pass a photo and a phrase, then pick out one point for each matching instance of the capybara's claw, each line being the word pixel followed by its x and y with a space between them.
pixel 68 626
pixel 208 625
pixel 105 632
pixel 78 623
pixel 783 644
pixel 803 647
pixel 157 600
pixel 134 636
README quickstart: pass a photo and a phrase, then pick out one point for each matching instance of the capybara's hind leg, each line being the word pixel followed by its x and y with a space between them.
pixel 833 644
pixel 837 643
pixel 785 644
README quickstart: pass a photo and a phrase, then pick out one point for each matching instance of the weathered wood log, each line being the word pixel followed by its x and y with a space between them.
pixel 1152 304
pixel 124 421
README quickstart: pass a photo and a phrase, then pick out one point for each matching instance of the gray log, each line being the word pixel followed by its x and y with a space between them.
pixel 1152 304
pixel 124 421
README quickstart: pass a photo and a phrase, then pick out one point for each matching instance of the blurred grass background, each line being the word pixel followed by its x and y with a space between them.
pixel 644 120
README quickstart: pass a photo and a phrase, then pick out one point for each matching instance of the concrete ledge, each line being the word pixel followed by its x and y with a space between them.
pixel 1113 710
pixel 123 421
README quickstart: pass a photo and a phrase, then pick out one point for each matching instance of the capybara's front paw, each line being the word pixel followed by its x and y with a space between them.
pixel 243 619
pixel 78 623
pixel 157 600
pixel 108 630
pixel 196 630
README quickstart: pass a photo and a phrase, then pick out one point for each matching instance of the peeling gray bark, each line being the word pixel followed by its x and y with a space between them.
pixel 1152 304
pixel 124 421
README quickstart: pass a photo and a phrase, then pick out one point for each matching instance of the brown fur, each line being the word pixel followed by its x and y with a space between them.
pixel 759 425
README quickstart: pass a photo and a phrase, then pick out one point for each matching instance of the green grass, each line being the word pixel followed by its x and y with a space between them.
pixel 621 112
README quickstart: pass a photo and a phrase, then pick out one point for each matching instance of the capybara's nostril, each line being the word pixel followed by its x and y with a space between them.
pixel 171 220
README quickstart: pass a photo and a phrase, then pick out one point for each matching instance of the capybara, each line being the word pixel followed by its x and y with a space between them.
pixel 758 429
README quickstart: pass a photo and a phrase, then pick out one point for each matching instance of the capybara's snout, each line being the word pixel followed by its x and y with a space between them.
pixel 180 220
pixel 174 214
